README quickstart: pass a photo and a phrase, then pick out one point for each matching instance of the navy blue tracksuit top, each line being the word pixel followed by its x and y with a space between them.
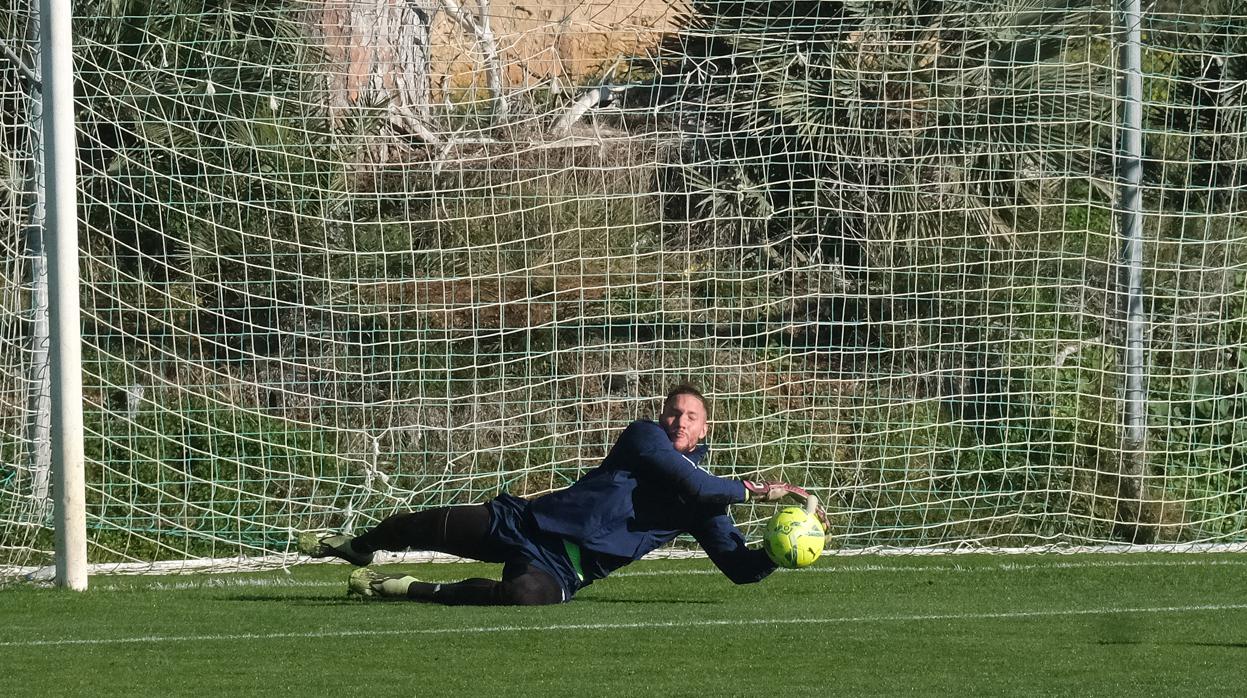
pixel 643 495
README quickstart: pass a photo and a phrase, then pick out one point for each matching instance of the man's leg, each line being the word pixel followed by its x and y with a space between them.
pixel 524 586
pixel 461 531
pixel 530 587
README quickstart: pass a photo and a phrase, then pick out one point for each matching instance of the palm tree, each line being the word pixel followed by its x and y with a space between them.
pixel 1198 120
pixel 933 158
pixel 211 138
pixel 837 130
pixel 1198 111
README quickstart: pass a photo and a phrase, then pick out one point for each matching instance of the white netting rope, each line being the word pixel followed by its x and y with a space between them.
pixel 342 258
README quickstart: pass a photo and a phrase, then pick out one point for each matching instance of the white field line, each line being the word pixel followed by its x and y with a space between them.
pixel 279 561
pixel 230 581
pixel 647 625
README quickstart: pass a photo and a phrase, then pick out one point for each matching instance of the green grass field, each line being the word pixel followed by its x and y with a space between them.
pixel 1102 625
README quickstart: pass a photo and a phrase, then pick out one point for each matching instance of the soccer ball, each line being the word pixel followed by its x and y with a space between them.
pixel 793 538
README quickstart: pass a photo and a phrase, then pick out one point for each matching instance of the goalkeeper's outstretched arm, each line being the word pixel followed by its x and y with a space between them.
pixel 725 546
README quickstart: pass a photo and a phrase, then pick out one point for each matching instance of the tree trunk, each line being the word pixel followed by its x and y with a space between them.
pixel 378 54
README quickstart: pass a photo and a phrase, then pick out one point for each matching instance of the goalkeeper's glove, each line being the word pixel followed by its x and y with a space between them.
pixel 775 491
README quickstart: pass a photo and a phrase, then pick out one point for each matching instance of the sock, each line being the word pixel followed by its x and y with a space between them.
pixel 357 545
pixel 422 591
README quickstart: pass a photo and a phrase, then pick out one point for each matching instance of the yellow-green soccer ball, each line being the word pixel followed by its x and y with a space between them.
pixel 793 538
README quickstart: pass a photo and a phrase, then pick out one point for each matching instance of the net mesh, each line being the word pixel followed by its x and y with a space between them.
pixel 342 258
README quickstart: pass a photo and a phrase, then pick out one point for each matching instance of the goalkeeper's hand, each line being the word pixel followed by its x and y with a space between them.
pixel 775 491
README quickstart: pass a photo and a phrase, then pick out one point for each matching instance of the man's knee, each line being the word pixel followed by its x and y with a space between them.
pixel 531 589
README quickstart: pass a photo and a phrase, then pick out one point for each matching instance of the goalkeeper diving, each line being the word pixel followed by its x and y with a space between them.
pixel 648 490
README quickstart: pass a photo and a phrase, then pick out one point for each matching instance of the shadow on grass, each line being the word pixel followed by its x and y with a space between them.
pixel 645 600
pixel 304 599
pixel 312 600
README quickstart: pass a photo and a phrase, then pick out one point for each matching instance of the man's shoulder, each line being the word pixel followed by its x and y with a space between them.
pixel 641 430
pixel 643 424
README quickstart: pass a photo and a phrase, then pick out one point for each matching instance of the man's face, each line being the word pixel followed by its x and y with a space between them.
pixel 684 420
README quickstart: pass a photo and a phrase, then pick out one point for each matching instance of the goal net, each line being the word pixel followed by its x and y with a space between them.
pixel 342 258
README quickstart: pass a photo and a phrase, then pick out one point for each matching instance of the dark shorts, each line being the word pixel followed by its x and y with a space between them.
pixel 522 545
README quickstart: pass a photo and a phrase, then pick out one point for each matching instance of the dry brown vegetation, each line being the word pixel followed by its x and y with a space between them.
pixel 541 40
